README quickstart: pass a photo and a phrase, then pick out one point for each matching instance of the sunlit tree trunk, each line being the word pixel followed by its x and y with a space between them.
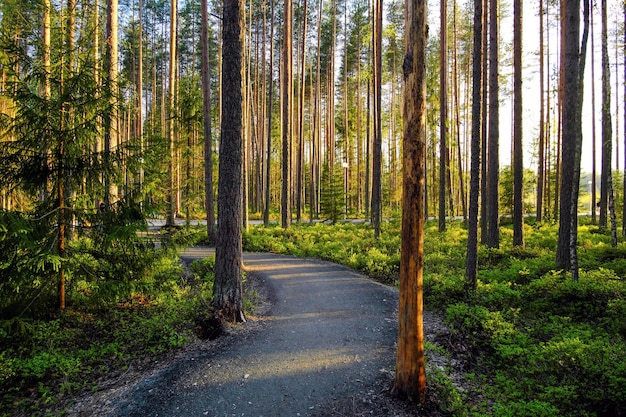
pixel 228 292
pixel 287 114
pixel 111 122
pixel 443 111
pixel 171 95
pixel 378 131
pixel 542 115
pixel 410 381
pixel 300 156
pixel 266 213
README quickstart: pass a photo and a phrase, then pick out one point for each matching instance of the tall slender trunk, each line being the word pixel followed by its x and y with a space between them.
pixel 171 95
pixel 378 131
pixel 518 165
pixel 300 156
pixel 443 111
pixel 287 114
pixel 542 115
pixel 493 228
pixel 484 201
pixel 471 260
pixel 209 197
pixel 268 172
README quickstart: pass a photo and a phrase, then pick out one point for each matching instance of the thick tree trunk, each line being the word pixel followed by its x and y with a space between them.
pixel 228 292
pixel 410 381
pixel 571 129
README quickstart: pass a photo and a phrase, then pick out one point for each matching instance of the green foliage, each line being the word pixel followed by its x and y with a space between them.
pixel 537 343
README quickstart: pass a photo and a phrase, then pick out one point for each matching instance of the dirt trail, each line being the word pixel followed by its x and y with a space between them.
pixel 330 335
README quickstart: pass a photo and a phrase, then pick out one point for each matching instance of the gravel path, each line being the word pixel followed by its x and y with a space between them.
pixel 330 334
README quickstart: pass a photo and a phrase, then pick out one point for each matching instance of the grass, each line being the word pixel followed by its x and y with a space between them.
pixel 45 361
pixel 534 342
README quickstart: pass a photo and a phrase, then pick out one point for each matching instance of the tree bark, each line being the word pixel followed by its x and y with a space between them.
pixel 287 114
pixel 518 165
pixel 228 292
pixel 571 128
pixel 209 197
pixel 172 189
pixel 410 381
pixel 378 131
pixel 493 220
pixel 443 111
pixel 471 260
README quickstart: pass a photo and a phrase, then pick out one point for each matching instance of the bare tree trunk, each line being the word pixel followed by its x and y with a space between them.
pixel 300 156
pixel 228 292
pixel 171 168
pixel 484 201
pixel 471 260
pixel 443 111
pixel 209 197
pixel 542 115
pixel 410 381
pixel 378 132
pixel 287 114
pixel 266 213
pixel 571 130
pixel 111 122
pixel 493 228
pixel 518 165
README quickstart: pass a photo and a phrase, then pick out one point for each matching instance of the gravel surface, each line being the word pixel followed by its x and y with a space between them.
pixel 324 342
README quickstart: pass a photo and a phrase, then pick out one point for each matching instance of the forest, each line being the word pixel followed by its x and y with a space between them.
pixel 286 129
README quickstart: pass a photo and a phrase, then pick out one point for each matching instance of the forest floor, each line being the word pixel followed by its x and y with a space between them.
pixel 321 342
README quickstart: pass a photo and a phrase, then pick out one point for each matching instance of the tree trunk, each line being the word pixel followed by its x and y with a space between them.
pixel 111 121
pixel 518 166
pixel 209 198
pixel 266 213
pixel 484 201
pixel 300 156
pixel 571 128
pixel 287 114
pixel 542 115
pixel 493 227
pixel 624 173
pixel 471 260
pixel 607 142
pixel 228 292
pixel 378 131
pixel 410 381
pixel 443 111
pixel 171 168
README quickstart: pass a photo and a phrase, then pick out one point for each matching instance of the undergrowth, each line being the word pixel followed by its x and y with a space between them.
pixel 533 342
pixel 44 361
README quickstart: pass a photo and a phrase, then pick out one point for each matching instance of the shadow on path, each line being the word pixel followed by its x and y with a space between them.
pixel 330 334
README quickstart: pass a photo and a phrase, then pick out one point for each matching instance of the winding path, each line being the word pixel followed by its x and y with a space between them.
pixel 330 333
